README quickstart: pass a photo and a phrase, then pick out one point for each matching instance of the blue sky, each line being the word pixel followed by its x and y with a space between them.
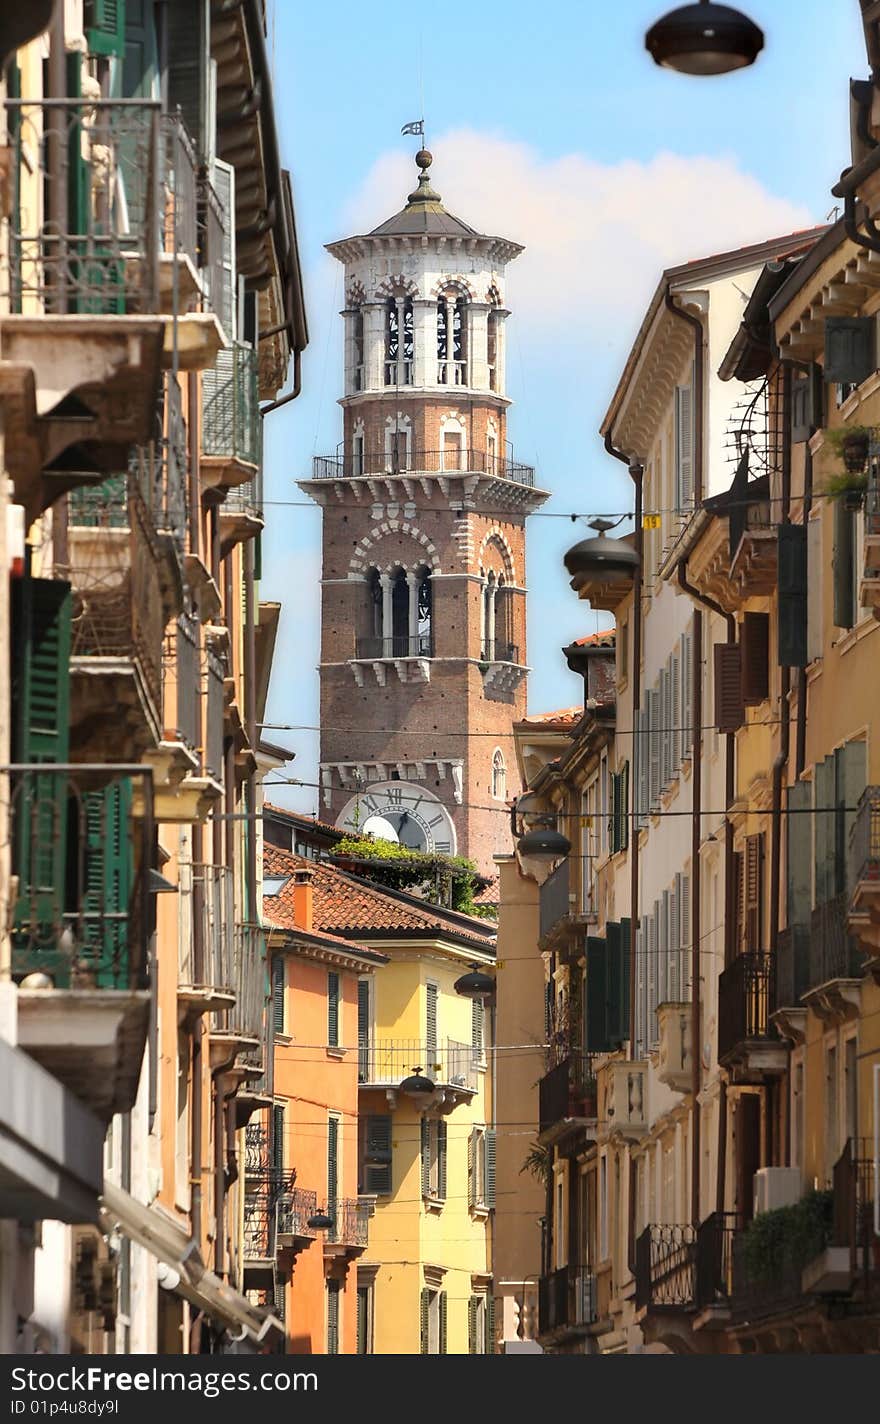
pixel 549 124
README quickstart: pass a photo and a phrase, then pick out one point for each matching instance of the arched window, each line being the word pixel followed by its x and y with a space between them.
pixel 499 776
pixel 399 615
pixel 492 349
pixel 374 614
pixel 399 341
pixel 452 344
pixel 424 615
pixel 392 342
pixel 505 652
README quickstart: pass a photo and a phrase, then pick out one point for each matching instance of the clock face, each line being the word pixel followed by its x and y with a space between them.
pixel 398 811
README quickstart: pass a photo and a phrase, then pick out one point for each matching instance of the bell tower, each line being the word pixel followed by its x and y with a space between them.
pixel 423 623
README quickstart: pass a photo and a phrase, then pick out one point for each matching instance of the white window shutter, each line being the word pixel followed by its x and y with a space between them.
pixel 684 448
pixel 685 914
pixel 675 941
pixel 687 691
pixel 663 959
pixel 675 703
pixel 653 970
pixel 223 182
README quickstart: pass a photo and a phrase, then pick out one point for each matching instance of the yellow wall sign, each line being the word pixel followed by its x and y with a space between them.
pixel 651 521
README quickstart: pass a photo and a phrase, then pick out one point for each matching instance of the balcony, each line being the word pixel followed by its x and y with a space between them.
pixel 747 1040
pixel 295 1209
pixel 412 464
pixel 240 1028
pixel 101 190
pixel 556 906
pixel 80 926
pixel 262 1192
pixel 675 1046
pixel 241 513
pixel 864 874
pixel 836 963
pixel 377 649
pixel 454 1068
pixel 231 422
pixel 665 1268
pixel 567 1099
pixel 205 968
pixel 566 1302
pixel 623 1097
pixel 792 975
pixel 349 1233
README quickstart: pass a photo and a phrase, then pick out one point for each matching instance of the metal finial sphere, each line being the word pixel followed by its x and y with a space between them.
pixel 424 158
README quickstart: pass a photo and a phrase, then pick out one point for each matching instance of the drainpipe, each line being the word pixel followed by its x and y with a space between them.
pixel 696 326
pixel 250 717
pixel 297 383
pixel 56 154
pixel 637 473
pixel 195 1166
pixel 801 727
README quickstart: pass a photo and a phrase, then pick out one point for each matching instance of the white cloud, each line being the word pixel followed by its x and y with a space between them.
pixel 596 235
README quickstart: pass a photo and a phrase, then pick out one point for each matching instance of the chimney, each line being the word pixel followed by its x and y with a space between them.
pixel 303 898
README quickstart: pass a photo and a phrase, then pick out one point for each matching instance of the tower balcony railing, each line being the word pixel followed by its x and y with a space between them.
pixel 419 645
pixel 379 463
pixel 398 373
pixel 452 373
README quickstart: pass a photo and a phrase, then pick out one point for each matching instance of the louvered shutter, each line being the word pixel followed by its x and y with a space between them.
pixel 754 893
pixel 664 947
pixel 278 993
pixel 849 349
pixel 489 1145
pixel 442 1305
pixel 188 46
pixel 755 658
pixel 222 270
pixel 815 575
pixel 597 995
pixel 799 854
pixel 842 565
pixel 653 974
pixel 624 806
pixel 666 725
pixel 851 774
pixel 278 1139
pixel 687 692
pixel 332 1165
pixel 333 1317
pixel 140 70
pixel 424 1318
pixel 792 604
pixel 473 1306
pixel 377 1173
pixel 729 710
pixel 363 1030
pixel 107 857
pixel 642 986
pixel 104 26
pixel 425 1138
pixel 615 813
pixel 441 1159
pixel 548 1011
pixel 333 1009
pixel 472 1168
pixel 490 1325
pixel 684 448
pixel 653 748
pixel 430 1029
pixel 643 757
pixel 684 912
pixel 477 1017
pixel 675 678
pixel 674 957
pixel 801 409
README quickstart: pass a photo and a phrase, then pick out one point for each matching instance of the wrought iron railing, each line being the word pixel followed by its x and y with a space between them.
pixel 553 898
pixel 567 1091
pixel 714 1259
pixel 246 498
pixel 79 857
pixel 246 1017
pixel 421 645
pixel 210 903
pixel 295 1210
pixel 665 1267
pixel 350 1222
pixel 792 965
pixel 231 423
pixel 745 1001
pixel 566 1298
pixel 416 462
pixel 180 215
pixel 388 1062
pixel 834 952
pixel 864 842
pixel 87 212
pixel 852 1222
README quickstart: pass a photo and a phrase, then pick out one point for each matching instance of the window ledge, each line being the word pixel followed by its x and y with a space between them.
pixel 856 634
pixel 481 1212
pixel 867 388
pixel 283 1040
pixel 434 1204
pixel 334 1052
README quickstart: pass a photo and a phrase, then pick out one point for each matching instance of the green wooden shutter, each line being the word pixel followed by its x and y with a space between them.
pixel 333 1317
pixel 799 854
pixel 490 1324
pixel 333 1009
pixel 442 1349
pixel 849 349
pixel 278 978
pixel 188 41
pixel 332 1165
pixel 472 1168
pixel 104 25
pixel 597 995
pixel 377 1175
pixel 792 608
pixel 684 447
pixel 424 1316
pixel 278 1139
pixel 107 858
pixel 615 986
pixel 425 1135
pixel 489 1175
pixel 624 974
pixel 140 71
pixel 842 565
pixel 363 1030
pixel 473 1307
pixel 441 1159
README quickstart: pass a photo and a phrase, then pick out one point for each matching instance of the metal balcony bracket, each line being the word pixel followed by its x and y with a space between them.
pixel 838 1001
pixel 192 341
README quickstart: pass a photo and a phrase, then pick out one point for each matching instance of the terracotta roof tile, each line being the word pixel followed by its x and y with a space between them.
pixel 565 717
pixel 603 639
pixel 301 816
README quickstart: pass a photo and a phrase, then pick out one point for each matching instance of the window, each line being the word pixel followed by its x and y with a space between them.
pixel 278 984
pixel 365 1310
pixel 357 343
pixel 478 1343
pixel 333 1290
pixel 481 1168
pixel 492 349
pixel 375 1158
pixel 851 1088
pixel 398 341
pixel 684 448
pixel 499 776
pixel 357 464
pixel 620 809
pixel 333 1009
pixel 433 1152
pixel 278 1132
pixel 452 354
pixel 478 1019
pixel 433 1321
pixel 365 1028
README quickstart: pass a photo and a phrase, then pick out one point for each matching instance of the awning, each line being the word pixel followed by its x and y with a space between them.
pixel 153 1229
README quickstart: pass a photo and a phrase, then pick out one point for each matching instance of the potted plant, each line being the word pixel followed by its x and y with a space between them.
pixel 852 445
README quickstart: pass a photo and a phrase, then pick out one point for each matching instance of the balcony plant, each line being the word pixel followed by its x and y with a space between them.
pixel 851 444
pixel 790 1236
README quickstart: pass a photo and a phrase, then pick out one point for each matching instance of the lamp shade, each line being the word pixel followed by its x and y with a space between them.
pixel 475 984
pixel 603 556
pixel 417 1085
pixel 544 843
pixel 704 39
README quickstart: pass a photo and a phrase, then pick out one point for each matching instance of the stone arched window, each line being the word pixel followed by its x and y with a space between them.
pixel 399 341
pixel 399 614
pixel 505 652
pixel 424 613
pixel 452 339
pixel 499 775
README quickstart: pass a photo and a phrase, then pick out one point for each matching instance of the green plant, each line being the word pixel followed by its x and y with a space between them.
pixel 844 482
pixel 851 444
pixel 790 1236
pixel 450 880
pixel 537 1164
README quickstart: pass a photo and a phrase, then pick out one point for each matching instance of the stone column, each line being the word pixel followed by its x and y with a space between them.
pixel 483 587
pixel 401 374
pixel 424 342
pixel 374 346
pixel 348 321
pixel 450 341
pixel 412 580
pixel 478 345
pixel 387 615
